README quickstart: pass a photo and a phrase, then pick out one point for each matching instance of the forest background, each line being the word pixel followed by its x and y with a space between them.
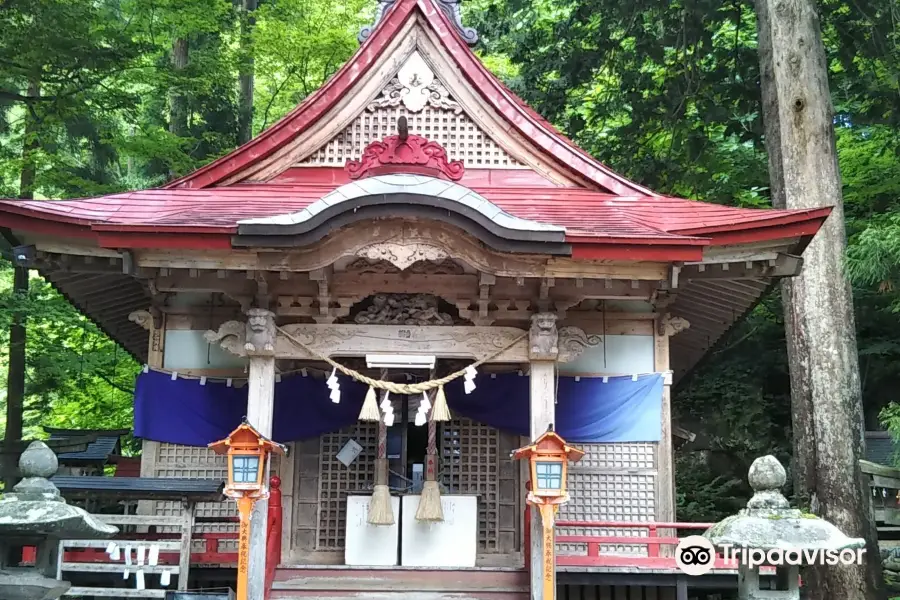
pixel 109 95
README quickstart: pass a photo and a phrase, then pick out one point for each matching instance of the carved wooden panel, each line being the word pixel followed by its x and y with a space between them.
pixel 337 481
pixel 474 460
pixel 458 134
pixel 613 482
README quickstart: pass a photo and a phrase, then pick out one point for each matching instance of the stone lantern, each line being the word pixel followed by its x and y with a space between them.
pixel 769 533
pixel 34 514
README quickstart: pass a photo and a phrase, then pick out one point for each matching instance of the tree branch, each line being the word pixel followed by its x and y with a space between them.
pixel 113 383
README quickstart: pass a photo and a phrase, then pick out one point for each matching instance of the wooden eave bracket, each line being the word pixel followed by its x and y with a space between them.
pixel 784 265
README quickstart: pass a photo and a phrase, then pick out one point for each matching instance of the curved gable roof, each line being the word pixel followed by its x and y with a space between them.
pixel 531 126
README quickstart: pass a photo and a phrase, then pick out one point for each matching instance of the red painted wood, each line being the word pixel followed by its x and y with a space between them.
pixel 526 538
pixel 653 548
pixel 187 241
pixel 650 540
pixel 273 537
pixel 209 556
pixel 335 176
pixel 127 466
pixel 632 252
pixel 207 218
pixel 472 178
pixel 407 154
pixel 43 225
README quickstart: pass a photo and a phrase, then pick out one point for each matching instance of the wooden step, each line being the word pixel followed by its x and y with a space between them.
pixel 396 595
pixel 400 584
pixel 114 592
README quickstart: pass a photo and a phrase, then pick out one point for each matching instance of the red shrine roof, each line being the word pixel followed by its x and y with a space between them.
pixel 606 210
pixel 590 218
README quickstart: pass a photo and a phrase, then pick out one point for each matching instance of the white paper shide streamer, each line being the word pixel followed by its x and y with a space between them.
pixel 335 387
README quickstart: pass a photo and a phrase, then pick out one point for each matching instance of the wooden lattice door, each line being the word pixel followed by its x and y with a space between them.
pixel 613 482
pixel 475 461
pixel 336 481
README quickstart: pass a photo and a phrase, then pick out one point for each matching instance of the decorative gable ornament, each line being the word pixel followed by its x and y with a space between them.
pixel 416 87
pixel 450 8
pixel 405 154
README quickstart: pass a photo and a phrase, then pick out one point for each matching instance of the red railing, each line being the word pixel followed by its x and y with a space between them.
pixel 210 555
pixel 659 539
pixel 212 552
pixel 660 549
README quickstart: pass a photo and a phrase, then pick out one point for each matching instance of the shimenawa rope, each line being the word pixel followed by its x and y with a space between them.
pixel 399 388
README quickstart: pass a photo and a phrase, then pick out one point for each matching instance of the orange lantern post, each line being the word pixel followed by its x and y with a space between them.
pixel 248 454
pixel 549 458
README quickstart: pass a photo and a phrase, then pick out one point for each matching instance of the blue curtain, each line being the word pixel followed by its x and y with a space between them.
pixel 181 411
pixel 587 410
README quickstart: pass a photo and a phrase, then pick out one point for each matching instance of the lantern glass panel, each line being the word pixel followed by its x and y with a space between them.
pixel 245 469
pixel 549 475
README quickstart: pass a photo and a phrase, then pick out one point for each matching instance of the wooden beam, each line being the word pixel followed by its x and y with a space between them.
pixel 786 265
pixel 55 247
pixel 456 244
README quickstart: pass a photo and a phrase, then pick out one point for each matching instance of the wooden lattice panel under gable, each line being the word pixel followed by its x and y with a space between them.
pixel 474 460
pixel 613 482
pixel 336 481
pixel 457 133
pixel 175 460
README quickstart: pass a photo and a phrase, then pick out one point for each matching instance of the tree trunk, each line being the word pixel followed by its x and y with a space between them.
pixel 245 108
pixel 178 108
pixel 826 401
pixel 15 374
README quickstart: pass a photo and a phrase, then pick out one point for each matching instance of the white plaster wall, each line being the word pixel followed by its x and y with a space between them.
pixel 625 355
pixel 187 349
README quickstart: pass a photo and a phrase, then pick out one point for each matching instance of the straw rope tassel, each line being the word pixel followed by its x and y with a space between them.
pixel 369 411
pixel 440 411
pixel 380 510
pixel 430 508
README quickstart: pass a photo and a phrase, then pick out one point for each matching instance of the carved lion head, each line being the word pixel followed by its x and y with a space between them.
pixel 544 322
pixel 258 319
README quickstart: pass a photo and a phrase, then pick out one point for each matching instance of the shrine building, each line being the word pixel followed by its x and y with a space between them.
pixel 411 218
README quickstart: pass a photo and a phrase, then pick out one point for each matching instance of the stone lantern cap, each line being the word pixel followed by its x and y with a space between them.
pixel 36 511
pixel 769 523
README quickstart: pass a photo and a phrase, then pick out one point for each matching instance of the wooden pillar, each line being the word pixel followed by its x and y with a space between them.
pixel 155 322
pixel 665 326
pixel 665 479
pixel 184 558
pixel 543 352
pixel 260 349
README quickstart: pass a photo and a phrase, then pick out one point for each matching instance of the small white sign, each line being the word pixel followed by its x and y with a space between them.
pixel 370 545
pixel 452 542
pixel 349 452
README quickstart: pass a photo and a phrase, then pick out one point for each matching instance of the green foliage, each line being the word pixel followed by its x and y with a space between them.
pixel 76 377
pixel 298 45
pixel 664 91
pixel 668 94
